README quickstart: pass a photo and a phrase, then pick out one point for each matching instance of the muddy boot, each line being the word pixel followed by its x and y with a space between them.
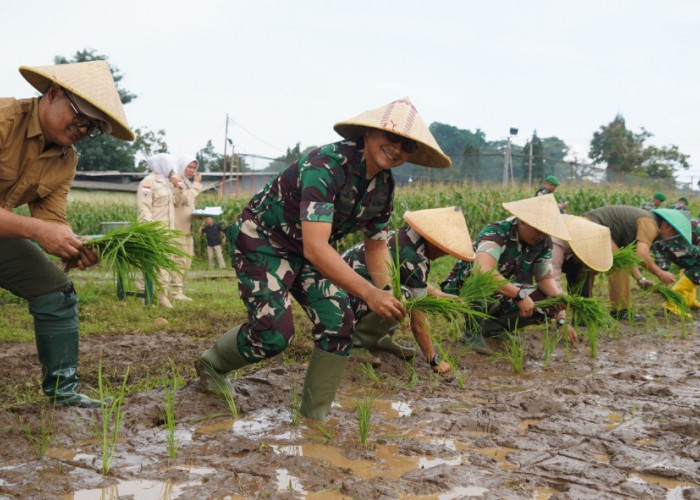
pixel 362 355
pixel 218 361
pixel 56 330
pixel 474 340
pixel 323 378
pixel 376 333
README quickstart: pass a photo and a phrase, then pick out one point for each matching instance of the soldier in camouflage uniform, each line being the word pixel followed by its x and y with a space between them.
pixel 518 245
pixel 282 248
pixel 635 225
pixel 687 258
pixel 654 203
pixel 431 233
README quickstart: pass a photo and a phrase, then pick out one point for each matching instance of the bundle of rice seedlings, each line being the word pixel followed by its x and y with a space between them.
pixel 455 310
pixel 588 311
pixel 143 247
pixel 670 295
pixel 480 287
pixel 625 258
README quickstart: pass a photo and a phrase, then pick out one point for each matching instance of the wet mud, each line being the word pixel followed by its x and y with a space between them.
pixel 623 425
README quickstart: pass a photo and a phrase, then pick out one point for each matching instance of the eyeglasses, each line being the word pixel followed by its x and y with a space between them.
pixel 408 145
pixel 83 122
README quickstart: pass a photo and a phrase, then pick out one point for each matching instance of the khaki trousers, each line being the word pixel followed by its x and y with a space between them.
pixel 219 256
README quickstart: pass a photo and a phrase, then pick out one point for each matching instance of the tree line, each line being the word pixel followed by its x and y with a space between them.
pixel 614 147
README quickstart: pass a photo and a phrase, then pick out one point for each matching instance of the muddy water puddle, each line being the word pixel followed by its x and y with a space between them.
pixel 621 426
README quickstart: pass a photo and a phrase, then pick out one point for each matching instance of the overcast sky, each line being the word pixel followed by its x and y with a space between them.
pixel 285 71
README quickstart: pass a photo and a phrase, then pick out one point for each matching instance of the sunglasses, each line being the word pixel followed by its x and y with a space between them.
pixel 408 145
pixel 82 121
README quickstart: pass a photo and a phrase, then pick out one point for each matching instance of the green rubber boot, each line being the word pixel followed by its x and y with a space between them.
pixel 373 332
pixel 218 361
pixel 323 378
pixel 474 340
pixel 56 332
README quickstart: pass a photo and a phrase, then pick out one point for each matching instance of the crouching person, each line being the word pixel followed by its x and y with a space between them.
pixel 282 247
pixel 38 163
pixel 430 234
pixel 518 245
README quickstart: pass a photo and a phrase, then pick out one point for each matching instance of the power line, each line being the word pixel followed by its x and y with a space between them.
pixel 255 136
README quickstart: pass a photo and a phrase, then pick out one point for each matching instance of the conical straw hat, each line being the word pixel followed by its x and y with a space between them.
pixel 91 81
pixel 542 213
pixel 401 118
pixel 590 242
pixel 445 228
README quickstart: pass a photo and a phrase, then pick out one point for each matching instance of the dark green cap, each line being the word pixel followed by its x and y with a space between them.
pixel 660 196
pixel 552 180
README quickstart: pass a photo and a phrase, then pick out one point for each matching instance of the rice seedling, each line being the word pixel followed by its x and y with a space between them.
pixel 593 336
pixel 327 436
pixel 514 351
pixel 412 378
pixel 143 247
pixel 170 397
pixel 369 372
pixel 363 409
pixel 112 417
pixel 671 296
pixel 550 340
pixel 223 389
pixel 42 439
pixel 295 406
pixel 450 360
pixel 583 310
pixel 625 258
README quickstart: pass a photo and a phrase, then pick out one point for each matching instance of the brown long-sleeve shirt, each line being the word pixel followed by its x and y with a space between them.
pixel 28 174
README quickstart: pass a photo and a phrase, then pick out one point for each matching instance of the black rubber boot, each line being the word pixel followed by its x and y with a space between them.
pixel 56 331
pixel 223 357
pixel 323 377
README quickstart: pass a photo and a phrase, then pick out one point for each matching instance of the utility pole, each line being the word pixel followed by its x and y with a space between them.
pixel 223 168
pixel 529 174
pixel 505 163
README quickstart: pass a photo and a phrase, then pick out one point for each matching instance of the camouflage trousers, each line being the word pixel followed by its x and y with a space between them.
pixel 268 277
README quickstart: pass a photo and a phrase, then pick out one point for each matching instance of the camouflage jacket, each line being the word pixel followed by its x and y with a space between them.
pixel 328 184
pixel 413 262
pixel 648 205
pixel 500 240
pixel 680 253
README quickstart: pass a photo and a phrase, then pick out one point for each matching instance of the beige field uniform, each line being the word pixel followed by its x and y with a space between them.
pixel 184 204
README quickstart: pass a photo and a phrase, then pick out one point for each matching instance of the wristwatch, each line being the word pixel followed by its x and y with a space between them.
pixel 522 293
pixel 435 361
pixel 561 322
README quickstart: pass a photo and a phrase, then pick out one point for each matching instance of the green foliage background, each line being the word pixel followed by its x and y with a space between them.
pixel 481 205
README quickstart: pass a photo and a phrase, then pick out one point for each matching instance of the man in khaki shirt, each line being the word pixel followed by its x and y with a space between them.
pixel 37 166
pixel 633 225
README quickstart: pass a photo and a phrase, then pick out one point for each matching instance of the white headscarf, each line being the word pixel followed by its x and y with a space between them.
pixel 182 163
pixel 162 164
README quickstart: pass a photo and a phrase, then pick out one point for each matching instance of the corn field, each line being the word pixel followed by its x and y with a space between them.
pixel 480 203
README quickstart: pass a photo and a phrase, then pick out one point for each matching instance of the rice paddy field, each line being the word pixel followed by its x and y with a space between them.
pixel 614 416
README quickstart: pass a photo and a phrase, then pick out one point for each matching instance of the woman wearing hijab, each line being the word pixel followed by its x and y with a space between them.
pixel 154 200
pixel 189 185
pixel 282 247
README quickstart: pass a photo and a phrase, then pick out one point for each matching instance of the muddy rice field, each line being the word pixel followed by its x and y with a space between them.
pixel 623 425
